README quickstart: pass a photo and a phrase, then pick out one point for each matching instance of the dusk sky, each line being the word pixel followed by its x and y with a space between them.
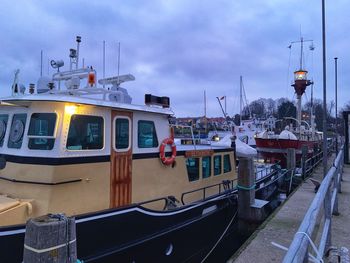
pixel 180 48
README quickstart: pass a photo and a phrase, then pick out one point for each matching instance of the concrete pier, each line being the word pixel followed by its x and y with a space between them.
pixel 281 226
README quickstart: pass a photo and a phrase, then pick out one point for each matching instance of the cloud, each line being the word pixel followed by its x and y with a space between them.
pixel 180 48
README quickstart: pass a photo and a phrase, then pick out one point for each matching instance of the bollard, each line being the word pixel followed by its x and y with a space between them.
pixel 50 239
pixel 246 186
pixel 249 208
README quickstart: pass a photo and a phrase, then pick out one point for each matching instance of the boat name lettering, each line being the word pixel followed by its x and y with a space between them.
pixel 198 153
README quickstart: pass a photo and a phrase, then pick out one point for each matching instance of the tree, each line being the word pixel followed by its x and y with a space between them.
pixel 270 106
pixel 257 108
pixel 318 112
pixel 286 109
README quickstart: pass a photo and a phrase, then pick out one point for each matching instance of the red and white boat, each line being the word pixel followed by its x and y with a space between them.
pixel 273 147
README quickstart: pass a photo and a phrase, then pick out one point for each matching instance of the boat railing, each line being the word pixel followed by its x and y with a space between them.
pixel 170 202
pixel 275 176
pixel 310 164
pixel 265 171
pixel 324 204
pixel 191 130
pixel 224 186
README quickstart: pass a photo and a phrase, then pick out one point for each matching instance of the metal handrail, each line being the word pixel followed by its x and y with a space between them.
pixel 224 184
pixel 327 198
pixel 311 163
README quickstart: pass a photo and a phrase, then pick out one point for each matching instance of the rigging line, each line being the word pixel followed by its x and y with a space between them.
pixel 306 97
pixel 220 238
pixel 287 78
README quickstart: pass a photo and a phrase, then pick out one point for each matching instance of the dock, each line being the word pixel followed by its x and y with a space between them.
pixel 269 241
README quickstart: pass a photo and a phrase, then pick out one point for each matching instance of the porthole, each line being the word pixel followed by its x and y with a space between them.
pixel 17 131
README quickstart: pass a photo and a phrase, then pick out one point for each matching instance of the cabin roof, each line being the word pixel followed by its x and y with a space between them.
pixel 26 99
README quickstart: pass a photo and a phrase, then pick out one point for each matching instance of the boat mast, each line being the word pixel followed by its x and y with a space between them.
pixel 205 111
pixel 205 105
pixel 240 99
pixel 300 81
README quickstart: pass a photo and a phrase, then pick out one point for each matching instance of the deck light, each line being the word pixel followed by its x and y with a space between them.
pixel 70 109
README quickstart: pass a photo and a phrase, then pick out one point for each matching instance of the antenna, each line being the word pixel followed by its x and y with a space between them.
pixel 15 83
pixel 104 61
pixel 301 52
pixel 41 63
pixel 118 59
pixel 301 41
pixel 78 39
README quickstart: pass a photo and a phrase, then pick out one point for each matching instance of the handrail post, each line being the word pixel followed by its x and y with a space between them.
pixel 328 216
pixel 336 191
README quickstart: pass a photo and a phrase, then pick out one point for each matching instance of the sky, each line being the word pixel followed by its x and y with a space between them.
pixel 182 48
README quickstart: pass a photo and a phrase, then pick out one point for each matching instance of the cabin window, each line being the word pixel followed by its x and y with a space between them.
pixel 206 166
pixel 122 133
pixel 147 136
pixel 17 130
pixel 192 165
pixel 85 133
pixel 217 164
pixel 227 163
pixel 3 125
pixel 41 131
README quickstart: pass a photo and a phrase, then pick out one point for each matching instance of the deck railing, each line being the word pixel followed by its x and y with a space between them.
pixel 203 191
pixel 309 165
pixel 326 200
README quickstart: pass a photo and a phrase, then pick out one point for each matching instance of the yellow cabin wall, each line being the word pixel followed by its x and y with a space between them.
pixel 151 179
pixel 90 194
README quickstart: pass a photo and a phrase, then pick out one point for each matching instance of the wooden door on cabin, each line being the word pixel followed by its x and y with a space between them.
pixel 121 158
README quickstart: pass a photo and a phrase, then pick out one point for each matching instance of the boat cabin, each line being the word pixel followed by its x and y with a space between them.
pixel 87 148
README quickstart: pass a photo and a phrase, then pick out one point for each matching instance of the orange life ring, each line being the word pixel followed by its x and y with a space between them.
pixel 167 160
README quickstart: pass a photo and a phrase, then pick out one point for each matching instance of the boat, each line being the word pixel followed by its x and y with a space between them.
pixel 76 145
pixel 273 147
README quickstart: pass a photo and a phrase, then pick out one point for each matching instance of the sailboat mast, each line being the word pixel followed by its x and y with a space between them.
pixel 205 105
pixel 240 100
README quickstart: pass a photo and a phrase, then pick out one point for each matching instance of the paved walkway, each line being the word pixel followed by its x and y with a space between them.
pixel 284 223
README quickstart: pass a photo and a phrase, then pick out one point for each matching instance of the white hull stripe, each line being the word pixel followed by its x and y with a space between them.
pixel 39 251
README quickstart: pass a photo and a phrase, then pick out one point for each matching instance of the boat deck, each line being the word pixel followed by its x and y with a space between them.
pixel 284 223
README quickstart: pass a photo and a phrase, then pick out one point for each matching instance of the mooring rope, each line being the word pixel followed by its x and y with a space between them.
pixel 220 238
pixel 246 188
